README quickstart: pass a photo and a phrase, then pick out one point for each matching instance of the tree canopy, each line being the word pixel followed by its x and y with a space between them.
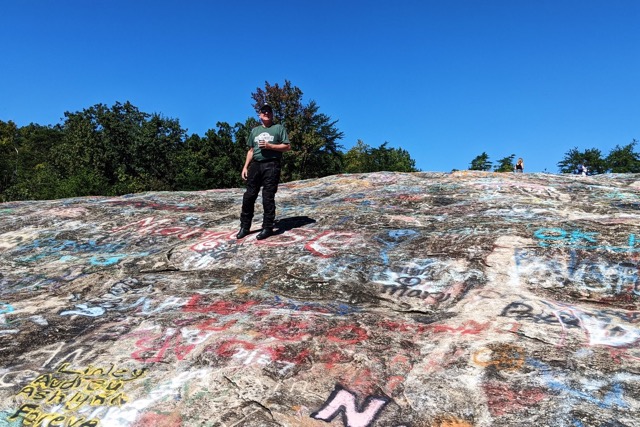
pixel 481 163
pixel 505 164
pixel 592 157
pixel 619 160
pixel 118 149
pixel 624 159
pixel 114 150
pixel 363 158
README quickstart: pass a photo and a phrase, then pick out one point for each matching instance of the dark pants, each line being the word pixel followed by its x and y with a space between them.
pixel 267 176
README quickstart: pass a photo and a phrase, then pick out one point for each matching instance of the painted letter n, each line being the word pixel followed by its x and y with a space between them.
pixel 343 401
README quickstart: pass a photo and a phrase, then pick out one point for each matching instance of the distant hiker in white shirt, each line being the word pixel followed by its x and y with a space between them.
pixel 583 169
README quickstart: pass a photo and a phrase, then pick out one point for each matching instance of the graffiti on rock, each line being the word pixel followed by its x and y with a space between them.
pixel 431 280
pixel 614 279
pixel 387 299
pixel 56 397
pixel 584 240
pixel 343 402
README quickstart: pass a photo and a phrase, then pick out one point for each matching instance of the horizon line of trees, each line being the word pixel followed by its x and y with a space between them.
pixel 111 151
pixel 619 160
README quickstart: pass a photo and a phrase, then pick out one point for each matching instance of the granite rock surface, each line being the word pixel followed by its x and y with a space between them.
pixel 384 299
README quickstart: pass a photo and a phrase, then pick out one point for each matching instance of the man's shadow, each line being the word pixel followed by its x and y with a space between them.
pixel 286 224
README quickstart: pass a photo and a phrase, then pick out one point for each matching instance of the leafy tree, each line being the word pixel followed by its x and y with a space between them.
pixel 114 150
pixel 153 153
pixel 597 164
pixel 232 151
pixel 100 138
pixel 571 160
pixel 213 161
pixel 9 154
pixel 190 164
pixel 361 158
pixel 37 142
pixel 481 163
pixel 315 151
pixel 33 176
pixel 505 164
pixel 132 150
pixel 392 159
pixel 356 160
pixel 624 159
pixel 574 157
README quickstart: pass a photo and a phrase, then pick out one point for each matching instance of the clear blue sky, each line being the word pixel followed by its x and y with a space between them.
pixel 445 80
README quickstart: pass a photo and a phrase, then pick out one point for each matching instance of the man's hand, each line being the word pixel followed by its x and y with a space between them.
pixel 245 172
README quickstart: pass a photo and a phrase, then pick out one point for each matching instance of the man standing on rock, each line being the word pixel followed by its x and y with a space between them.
pixel 266 144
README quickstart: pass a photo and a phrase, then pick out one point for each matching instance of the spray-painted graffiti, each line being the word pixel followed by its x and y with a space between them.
pixel 133 412
pixel 213 245
pixel 6 327
pixel 601 327
pixel 5 307
pixel 65 212
pixel 144 204
pixel 156 345
pixel 51 247
pixel 278 338
pixel 599 275
pixel 12 239
pixel 68 390
pixel 503 357
pixel 394 295
pixel 610 423
pixel 310 268
pixel 162 227
pixel 131 295
pixel 10 326
pixel 576 239
pixel 245 353
pixel 343 402
pixel 602 392
pixel 503 399
pixel 327 243
pixel 340 309
pixel 54 355
pixel 393 239
pixel 91 251
pixel 431 280
pixel 37 281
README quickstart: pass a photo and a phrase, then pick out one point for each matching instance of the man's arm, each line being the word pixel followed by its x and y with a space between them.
pixel 245 169
pixel 283 148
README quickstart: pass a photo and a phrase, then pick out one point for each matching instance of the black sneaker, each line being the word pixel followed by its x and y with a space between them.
pixel 266 232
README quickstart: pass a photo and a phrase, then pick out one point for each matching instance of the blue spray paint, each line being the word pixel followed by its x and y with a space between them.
pixel 393 239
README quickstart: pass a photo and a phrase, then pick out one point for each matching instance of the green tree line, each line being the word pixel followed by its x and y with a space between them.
pixel 619 160
pixel 109 151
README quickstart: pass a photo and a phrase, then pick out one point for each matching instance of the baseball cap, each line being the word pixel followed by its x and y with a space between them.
pixel 265 108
